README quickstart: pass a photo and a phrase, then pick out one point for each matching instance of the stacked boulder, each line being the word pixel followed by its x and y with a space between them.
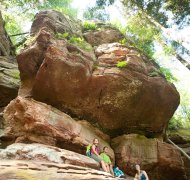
pixel 70 95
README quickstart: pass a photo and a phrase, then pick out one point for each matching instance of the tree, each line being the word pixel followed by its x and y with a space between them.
pixel 180 9
pixel 96 13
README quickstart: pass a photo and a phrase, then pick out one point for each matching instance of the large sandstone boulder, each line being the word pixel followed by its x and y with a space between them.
pixel 161 161
pixel 117 100
pixel 55 22
pixel 30 121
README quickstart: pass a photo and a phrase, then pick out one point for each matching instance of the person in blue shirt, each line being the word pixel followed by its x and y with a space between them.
pixel 118 172
pixel 140 174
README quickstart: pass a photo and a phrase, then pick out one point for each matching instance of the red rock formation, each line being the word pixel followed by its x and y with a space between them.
pixel 120 91
pixel 30 121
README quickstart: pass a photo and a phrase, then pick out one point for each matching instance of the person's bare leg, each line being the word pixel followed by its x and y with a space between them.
pixel 108 168
pixel 104 166
pixel 111 169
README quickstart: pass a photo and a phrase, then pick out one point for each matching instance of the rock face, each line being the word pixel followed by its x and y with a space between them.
pixel 103 35
pixel 9 81
pixel 9 74
pixel 119 100
pixel 29 121
pixel 55 22
pixel 161 161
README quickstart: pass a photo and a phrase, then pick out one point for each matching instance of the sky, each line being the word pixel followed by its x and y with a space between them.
pixel 114 11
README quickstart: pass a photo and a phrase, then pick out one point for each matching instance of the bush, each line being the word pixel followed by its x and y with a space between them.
pixel 175 123
pixel 89 25
pixel 167 73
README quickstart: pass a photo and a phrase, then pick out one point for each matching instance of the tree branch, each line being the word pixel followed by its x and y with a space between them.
pixel 19 34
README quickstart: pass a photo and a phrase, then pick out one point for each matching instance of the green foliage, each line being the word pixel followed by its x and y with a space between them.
pixel 62 35
pixel 123 41
pixel 121 64
pixel 12 26
pixel 169 50
pixel 89 25
pixel 159 10
pixel 118 25
pixel 167 73
pixel 180 9
pixel 63 6
pixel 141 34
pixel 73 39
pixel 181 119
pixel 175 123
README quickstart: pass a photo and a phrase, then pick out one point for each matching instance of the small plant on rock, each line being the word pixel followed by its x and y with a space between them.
pixel 123 41
pixel 121 64
pixel 73 39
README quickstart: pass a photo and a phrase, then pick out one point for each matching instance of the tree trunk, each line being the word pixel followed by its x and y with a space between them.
pixel 6 46
pixel 186 63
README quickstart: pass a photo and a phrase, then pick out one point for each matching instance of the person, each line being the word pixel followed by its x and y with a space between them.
pixel 93 152
pixel 118 172
pixel 105 157
pixel 140 175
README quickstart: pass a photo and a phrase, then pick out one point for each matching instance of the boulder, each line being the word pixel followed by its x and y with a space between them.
pixel 116 99
pixel 180 136
pixel 40 152
pixel 9 81
pixel 21 169
pixel 38 161
pixel 55 22
pixel 103 34
pixel 161 160
pixel 187 166
pixel 28 121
